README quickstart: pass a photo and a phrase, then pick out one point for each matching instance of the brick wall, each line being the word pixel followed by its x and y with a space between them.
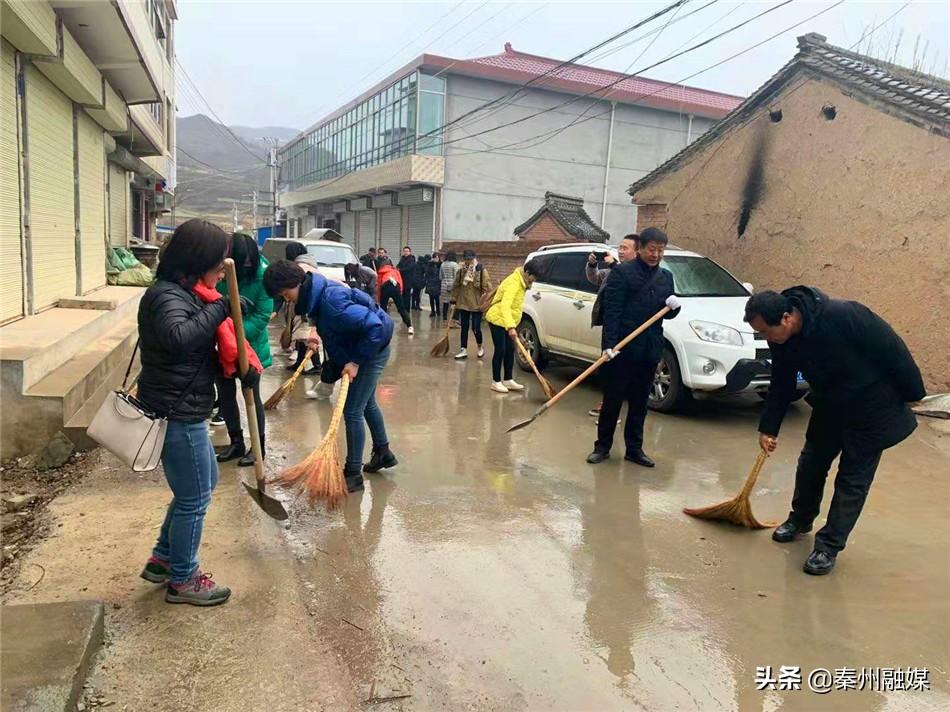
pixel 500 258
pixel 547 228
pixel 651 215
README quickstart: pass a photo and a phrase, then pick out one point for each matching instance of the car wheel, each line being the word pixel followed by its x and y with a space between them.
pixel 529 336
pixel 668 393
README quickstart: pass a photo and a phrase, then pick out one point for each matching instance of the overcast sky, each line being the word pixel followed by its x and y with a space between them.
pixel 270 63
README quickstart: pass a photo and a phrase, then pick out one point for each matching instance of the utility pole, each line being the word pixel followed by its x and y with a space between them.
pixel 274 144
pixel 234 216
pixel 254 209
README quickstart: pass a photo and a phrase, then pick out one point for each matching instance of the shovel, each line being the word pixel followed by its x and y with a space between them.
pixel 590 369
pixel 272 507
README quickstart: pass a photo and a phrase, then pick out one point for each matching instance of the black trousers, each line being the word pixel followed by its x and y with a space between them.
pixel 391 291
pixel 625 380
pixel 416 298
pixel 475 319
pixel 826 438
pixel 504 354
pixel 228 408
pixel 434 304
pixel 301 347
pixel 445 310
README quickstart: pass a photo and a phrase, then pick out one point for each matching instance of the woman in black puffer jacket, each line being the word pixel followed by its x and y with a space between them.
pixel 179 366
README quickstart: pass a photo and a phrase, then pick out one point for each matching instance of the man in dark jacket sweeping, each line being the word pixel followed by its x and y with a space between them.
pixel 634 291
pixel 861 377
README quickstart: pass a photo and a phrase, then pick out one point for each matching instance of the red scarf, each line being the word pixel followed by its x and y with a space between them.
pixel 226 338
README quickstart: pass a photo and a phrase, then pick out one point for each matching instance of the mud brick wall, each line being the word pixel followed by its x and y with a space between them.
pixel 501 258
pixel 652 215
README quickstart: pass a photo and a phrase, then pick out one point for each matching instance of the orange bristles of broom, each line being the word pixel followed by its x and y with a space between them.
pixel 288 385
pixel 441 347
pixel 737 510
pixel 320 474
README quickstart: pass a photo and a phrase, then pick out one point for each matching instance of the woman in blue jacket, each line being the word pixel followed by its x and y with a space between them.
pixel 356 333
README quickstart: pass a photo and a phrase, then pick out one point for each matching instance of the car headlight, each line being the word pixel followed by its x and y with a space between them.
pixel 717 333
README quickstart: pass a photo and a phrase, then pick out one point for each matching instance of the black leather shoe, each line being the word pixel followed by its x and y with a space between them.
pixel 788 531
pixel 247 460
pixel 354 479
pixel 232 452
pixel 597 457
pixel 819 563
pixel 640 458
pixel 381 459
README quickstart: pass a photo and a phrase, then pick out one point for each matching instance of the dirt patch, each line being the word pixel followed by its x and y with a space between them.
pixel 26 493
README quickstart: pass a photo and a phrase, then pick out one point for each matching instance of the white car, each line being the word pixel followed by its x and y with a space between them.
pixel 703 342
pixel 330 255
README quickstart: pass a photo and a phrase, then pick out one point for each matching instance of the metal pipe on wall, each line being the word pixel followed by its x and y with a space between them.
pixel 610 143
pixel 689 130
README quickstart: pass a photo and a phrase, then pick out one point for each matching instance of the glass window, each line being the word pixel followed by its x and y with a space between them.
pixel 430 120
pixel 332 255
pixel 428 82
pixel 701 277
pixel 568 270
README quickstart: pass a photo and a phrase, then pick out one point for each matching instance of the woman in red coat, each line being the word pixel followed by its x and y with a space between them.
pixel 389 286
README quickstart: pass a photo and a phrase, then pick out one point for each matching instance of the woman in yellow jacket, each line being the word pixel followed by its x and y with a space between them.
pixel 503 317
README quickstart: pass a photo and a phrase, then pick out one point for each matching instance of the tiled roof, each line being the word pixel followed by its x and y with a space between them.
pixel 570 214
pixel 918 98
pixel 594 78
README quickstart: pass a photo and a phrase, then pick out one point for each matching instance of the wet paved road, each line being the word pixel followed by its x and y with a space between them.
pixel 496 571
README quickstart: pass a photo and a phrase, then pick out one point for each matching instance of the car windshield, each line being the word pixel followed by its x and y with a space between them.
pixel 701 277
pixel 332 255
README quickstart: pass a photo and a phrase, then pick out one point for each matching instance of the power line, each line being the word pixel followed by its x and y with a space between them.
pixel 215 114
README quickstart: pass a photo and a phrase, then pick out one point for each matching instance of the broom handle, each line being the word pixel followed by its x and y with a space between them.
pixel 235 298
pixel 340 405
pixel 603 359
pixel 525 355
pixel 754 474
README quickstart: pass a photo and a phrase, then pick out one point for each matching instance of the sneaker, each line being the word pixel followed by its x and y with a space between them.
pixel 217 420
pixel 481 352
pixel 156 570
pixel 498 387
pixel 199 590
pixel 595 412
pixel 461 355
pixel 323 391
pixel 411 331
pixel 512 385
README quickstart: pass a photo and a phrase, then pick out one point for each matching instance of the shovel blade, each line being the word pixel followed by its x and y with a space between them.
pixel 273 508
pixel 523 424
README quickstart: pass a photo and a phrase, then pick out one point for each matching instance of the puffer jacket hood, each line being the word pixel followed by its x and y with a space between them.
pixel 810 302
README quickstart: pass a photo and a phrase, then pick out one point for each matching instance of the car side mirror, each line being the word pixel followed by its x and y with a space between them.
pixel 749 287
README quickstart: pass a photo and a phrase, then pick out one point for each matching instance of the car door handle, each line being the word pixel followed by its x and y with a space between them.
pixel 579 304
pixel 535 296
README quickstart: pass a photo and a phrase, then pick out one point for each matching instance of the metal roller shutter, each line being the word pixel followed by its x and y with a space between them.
pixel 11 254
pixel 92 204
pixel 420 229
pixel 118 206
pixel 52 200
pixel 348 227
pixel 367 236
pixel 390 220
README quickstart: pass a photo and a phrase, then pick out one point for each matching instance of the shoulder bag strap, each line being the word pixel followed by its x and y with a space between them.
pixel 131 361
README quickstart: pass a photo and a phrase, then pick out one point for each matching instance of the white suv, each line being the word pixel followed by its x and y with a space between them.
pixel 703 343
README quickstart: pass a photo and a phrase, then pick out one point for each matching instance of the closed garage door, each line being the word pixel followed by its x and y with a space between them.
pixel 420 229
pixel 118 206
pixel 92 204
pixel 11 256
pixel 52 223
pixel 390 220
pixel 367 236
pixel 348 227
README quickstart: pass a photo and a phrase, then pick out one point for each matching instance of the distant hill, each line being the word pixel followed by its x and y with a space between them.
pixel 214 169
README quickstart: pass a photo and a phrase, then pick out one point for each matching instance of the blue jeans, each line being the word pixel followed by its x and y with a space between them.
pixel 192 472
pixel 361 404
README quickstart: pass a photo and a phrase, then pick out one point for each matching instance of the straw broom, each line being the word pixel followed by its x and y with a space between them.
pixel 441 347
pixel 737 510
pixel 288 385
pixel 320 474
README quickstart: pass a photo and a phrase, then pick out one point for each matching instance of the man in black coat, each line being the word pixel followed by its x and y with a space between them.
pixel 861 378
pixel 407 268
pixel 634 291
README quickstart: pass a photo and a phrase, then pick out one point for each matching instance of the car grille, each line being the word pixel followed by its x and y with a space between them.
pixel 763 353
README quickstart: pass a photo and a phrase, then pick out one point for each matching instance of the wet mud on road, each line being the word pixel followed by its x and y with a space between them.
pixel 497 571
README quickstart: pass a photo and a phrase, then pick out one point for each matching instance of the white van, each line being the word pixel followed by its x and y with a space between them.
pixel 703 343
pixel 330 255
